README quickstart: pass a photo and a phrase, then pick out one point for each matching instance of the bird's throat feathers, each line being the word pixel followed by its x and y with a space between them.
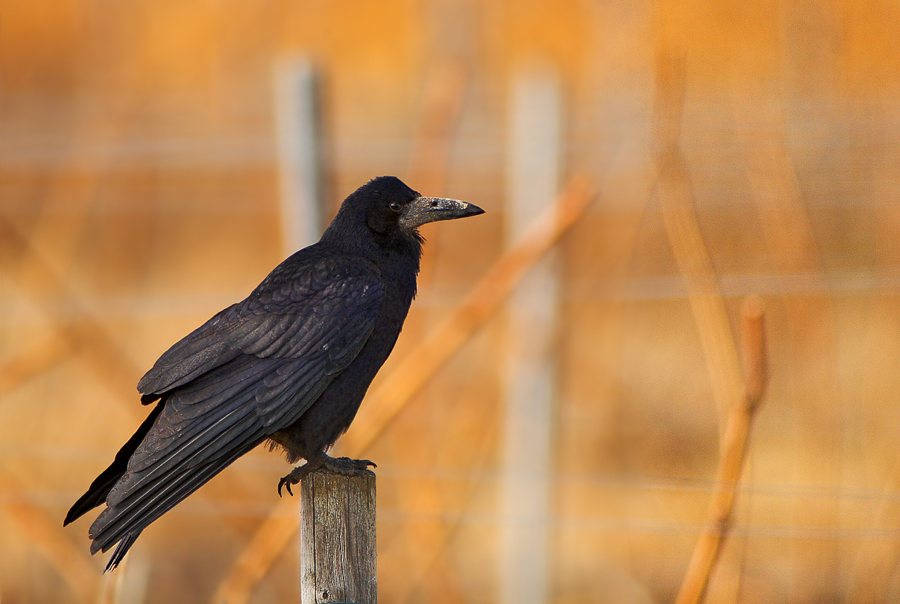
pixel 359 235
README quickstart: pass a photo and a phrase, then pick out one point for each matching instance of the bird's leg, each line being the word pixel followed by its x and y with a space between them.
pixel 336 465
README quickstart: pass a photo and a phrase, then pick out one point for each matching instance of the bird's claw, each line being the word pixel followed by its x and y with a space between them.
pixel 296 475
pixel 339 465
pixel 285 482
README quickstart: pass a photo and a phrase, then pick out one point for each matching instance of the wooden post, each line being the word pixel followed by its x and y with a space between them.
pixel 337 539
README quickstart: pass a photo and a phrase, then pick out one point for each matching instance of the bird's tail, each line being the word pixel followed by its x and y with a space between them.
pixel 123 530
pixel 122 549
pixel 143 495
pixel 99 489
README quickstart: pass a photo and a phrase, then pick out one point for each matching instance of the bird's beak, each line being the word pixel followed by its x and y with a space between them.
pixel 432 209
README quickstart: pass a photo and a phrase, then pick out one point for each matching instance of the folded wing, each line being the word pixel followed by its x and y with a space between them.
pixel 251 370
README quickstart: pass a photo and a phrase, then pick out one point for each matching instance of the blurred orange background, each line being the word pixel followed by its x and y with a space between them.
pixel 735 148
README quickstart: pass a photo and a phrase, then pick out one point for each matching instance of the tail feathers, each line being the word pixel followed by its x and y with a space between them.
pixel 101 487
pixel 124 545
pixel 113 526
pixel 96 494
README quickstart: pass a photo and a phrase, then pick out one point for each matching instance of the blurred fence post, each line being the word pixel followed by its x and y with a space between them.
pixel 299 152
pixel 337 539
pixel 535 135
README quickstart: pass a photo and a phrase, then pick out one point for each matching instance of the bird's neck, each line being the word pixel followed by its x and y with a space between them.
pixel 396 254
pixel 398 258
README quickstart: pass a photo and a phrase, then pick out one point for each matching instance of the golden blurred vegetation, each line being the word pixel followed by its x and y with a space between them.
pixel 737 148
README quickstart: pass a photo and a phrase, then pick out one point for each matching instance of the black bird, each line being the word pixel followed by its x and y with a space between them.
pixel 290 363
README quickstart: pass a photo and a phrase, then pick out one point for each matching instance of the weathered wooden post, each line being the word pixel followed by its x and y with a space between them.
pixel 337 539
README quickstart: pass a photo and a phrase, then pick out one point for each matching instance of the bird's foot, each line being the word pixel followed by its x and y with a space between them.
pixel 336 465
pixel 347 466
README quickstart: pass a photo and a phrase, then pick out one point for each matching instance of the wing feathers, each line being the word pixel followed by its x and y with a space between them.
pixel 251 370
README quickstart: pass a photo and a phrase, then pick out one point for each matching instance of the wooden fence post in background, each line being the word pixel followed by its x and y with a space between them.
pixel 297 125
pixel 337 539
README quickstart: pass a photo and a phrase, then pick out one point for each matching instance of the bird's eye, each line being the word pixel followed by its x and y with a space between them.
pixel 395 207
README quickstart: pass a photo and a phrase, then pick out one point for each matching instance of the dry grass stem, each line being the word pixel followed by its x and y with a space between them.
pixel 734 446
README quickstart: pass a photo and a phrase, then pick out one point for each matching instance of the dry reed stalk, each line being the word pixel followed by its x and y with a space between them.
pixel 733 450
pixel 683 229
pixel 695 265
pixel 413 372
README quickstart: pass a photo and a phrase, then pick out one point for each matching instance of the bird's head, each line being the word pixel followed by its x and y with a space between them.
pixel 390 205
